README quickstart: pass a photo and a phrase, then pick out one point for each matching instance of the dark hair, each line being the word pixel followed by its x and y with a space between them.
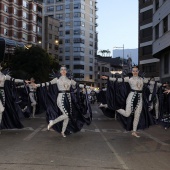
pixel 135 66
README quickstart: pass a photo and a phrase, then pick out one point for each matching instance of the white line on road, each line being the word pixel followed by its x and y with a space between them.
pixel 124 166
pixel 23 129
pixel 155 139
pixel 30 136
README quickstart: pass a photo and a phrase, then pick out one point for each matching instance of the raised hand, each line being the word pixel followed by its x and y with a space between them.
pixel 104 77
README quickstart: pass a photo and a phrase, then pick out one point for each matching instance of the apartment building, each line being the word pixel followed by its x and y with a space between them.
pixel 161 36
pixel 147 63
pixel 77 35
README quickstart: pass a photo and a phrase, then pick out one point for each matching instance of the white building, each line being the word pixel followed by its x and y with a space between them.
pixel 161 36
pixel 77 34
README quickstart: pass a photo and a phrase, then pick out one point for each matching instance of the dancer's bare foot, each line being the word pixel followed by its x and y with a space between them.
pixel 50 125
pixel 135 134
pixel 63 135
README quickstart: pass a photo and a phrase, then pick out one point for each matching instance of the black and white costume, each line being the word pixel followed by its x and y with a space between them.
pixel 134 101
pixel 63 99
pixel 3 78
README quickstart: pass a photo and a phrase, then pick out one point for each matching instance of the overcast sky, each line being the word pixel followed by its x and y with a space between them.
pixel 118 23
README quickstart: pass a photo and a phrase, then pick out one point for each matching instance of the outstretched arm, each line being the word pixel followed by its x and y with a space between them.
pixel 7 77
pixel 73 83
pixel 126 79
pixel 54 81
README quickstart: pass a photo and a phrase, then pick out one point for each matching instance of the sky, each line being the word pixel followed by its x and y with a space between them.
pixel 118 24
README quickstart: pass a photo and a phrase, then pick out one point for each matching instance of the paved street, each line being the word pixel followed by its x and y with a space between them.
pixel 102 145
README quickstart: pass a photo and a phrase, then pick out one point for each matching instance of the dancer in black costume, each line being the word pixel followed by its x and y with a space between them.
pixel 69 109
pixel 134 101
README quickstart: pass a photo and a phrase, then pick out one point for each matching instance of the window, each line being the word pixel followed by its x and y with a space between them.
pixel 79 15
pixel 156 4
pixel 90 76
pixel 67 32
pixel 25 4
pixel 156 31
pixel 60 50
pixel 166 63
pixel 50 1
pixel 34 39
pixel 91 11
pixel 5 31
pixel 34 18
pixel 50 8
pixel 79 6
pixel 67 49
pixel 25 15
pixel 91 60
pixel 67 57
pixel 5 8
pixel 78 49
pixel 61 24
pixel 59 0
pixel 67 41
pixel 67 6
pixel 50 36
pixel 91 43
pixel 165 24
pixel 67 15
pixel 59 7
pixel 15 1
pixel 15 34
pixel 78 75
pixel 15 23
pixel 24 36
pixel 60 58
pixel 34 8
pixel 34 28
pixel 59 16
pixel 67 23
pixel 98 68
pixel 79 23
pixel 60 33
pixel 79 32
pixel 15 11
pixel 81 67
pixel 147 50
pixel 91 35
pixel 50 46
pixel 145 33
pixel 91 27
pixel 78 58
pixel 5 20
pixel 147 14
pixel 91 3
pixel 24 25
pixel 90 68
pixel 91 52
pixel 91 19
pixel 78 40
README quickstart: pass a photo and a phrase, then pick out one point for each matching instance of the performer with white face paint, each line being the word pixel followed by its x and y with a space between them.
pixel 32 95
pixel 3 78
pixel 153 98
pixel 63 99
pixel 136 83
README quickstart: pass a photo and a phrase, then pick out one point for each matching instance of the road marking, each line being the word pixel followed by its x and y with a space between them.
pixel 23 129
pixel 123 164
pixel 30 136
pixel 90 130
pixel 155 139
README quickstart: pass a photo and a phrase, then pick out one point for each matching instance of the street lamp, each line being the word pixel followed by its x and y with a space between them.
pixel 123 54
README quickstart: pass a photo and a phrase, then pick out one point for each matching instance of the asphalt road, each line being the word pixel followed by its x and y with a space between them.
pixel 103 145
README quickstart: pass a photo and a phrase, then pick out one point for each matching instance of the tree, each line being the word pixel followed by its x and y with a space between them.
pixel 33 62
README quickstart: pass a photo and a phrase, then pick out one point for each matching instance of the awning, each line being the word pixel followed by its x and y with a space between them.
pixel 9 42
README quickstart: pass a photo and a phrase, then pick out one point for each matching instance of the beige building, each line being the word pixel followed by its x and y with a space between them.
pixel 77 35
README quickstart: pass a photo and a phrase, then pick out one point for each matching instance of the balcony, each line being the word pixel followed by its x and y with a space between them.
pixel 96 17
pixel 96 25
pixel 96 9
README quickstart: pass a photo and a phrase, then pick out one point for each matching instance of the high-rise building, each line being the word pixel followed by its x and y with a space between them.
pixel 23 24
pixel 77 35
pixel 161 36
pixel 147 63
